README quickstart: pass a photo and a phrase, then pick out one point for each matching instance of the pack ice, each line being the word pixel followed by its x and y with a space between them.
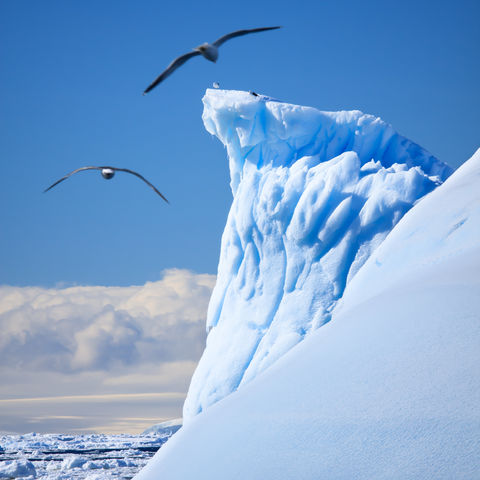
pixel 314 194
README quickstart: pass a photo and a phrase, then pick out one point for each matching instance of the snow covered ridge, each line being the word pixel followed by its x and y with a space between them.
pixel 314 194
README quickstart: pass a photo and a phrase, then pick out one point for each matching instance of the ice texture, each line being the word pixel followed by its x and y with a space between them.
pixel 314 193
pixel 17 468
pixel 389 389
pixel 75 457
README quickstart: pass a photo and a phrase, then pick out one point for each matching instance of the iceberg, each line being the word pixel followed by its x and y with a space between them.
pixel 164 429
pixel 388 389
pixel 314 194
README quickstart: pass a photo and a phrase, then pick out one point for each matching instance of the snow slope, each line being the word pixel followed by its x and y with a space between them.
pixel 389 389
pixel 314 194
pixel 449 227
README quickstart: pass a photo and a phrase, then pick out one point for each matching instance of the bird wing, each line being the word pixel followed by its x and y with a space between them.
pixel 240 33
pixel 141 178
pixel 70 174
pixel 170 69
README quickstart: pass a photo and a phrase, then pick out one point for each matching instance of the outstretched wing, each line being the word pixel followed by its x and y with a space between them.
pixel 141 178
pixel 70 174
pixel 170 69
pixel 240 33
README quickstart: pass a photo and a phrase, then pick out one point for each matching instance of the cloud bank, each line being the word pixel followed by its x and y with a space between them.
pixel 95 340
pixel 100 328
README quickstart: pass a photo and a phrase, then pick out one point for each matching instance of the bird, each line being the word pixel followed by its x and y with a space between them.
pixel 208 50
pixel 107 174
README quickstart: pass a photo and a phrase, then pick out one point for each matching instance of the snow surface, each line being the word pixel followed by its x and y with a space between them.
pixel 314 194
pixel 17 468
pixel 389 389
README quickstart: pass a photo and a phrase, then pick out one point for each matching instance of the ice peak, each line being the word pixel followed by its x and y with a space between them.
pixel 260 130
pixel 314 194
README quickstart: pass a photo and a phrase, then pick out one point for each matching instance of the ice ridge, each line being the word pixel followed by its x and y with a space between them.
pixel 314 193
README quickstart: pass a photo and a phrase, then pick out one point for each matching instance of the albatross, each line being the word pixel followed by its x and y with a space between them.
pixel 107 174
pixel 208 50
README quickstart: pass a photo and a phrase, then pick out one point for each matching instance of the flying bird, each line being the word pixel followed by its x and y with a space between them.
pixel 107 174
pixel 209 51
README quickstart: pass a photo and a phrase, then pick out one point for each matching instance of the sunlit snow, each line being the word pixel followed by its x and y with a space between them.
pixel 388 389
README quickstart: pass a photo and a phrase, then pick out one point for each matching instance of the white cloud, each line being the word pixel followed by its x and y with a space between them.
pixel 97 340
pixel 98 328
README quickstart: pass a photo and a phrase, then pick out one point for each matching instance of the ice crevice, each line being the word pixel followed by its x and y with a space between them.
pixel 314 193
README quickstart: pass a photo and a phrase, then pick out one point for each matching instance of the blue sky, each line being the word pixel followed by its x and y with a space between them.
pixel 72 74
